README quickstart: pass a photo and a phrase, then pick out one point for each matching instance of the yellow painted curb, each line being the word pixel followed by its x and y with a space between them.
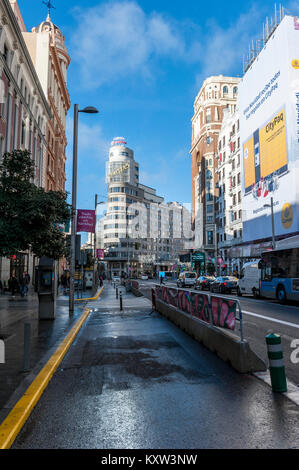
pixel 13 423
pixel 91 298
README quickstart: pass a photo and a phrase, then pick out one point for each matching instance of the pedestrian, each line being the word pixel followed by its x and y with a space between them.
pixel 14 285
pixel 1 287
pixel 101 281
pixel 24 281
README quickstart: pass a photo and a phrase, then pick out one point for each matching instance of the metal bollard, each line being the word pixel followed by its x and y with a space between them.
pixel 120 301
pixel 116 292
pixel 27 337
pixel 276 364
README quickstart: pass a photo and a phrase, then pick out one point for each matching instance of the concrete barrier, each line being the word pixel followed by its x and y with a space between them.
pixel 135 289
pixel 224 343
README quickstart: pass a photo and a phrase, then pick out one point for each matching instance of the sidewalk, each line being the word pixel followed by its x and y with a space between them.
pixel 135 381
pixel 45 334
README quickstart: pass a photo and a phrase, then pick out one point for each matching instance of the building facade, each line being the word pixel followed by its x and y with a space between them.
pixel 24 110
pixel 216 94
pixel 142 233
pixel 229 200
pixel 46 45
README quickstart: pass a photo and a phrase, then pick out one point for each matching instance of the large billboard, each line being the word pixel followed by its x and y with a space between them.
pixel 269 131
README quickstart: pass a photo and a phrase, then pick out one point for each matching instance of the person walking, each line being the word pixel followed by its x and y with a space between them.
pixel 14 285
pixel 24 281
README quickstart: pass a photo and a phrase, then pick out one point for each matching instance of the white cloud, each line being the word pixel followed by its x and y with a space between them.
pixel 115 40
pixel 90 139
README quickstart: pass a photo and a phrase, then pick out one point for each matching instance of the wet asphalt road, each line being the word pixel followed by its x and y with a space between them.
pixel 262 317
pixel 135 381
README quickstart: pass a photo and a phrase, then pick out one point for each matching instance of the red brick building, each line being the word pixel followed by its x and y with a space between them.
pixel 215 94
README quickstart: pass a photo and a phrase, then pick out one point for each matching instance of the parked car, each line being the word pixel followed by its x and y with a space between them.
pixel 224 285
pixel 144 277
pixel 115 278
pixel 249 282
pixel 186 279
pixel 203 282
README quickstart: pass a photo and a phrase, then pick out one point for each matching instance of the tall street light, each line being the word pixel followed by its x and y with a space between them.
pixel 272 218
pixel 87 110
pixel 96 204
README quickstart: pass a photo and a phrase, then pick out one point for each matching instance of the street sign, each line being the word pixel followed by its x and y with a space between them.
pixel 198 256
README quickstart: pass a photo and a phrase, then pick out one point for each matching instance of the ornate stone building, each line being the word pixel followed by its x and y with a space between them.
pixel 216 94
pixel 24 110
pixel 46 45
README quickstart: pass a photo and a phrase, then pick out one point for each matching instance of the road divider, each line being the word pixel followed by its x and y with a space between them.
pixel 210 320
pixel 13 423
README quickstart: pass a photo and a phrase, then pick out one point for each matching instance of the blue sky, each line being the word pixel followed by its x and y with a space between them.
pixel 141 63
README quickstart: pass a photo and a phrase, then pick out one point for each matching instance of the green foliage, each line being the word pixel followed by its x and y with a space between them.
pixel 27 213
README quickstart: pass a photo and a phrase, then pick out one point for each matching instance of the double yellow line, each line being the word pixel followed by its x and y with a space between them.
pixel 12 425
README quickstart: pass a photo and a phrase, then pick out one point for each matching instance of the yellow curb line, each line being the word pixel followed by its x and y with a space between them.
pixel 13 423
pixel 91 298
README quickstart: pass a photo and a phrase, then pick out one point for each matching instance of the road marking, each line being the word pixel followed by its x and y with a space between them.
pixel 13 423
pixel 90 298
pixel 270 319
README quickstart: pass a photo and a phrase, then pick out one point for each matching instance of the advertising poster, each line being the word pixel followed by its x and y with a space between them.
pixel 86 220
pixel 269 133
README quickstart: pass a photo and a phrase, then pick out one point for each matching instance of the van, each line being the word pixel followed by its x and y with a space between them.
pixel 249 282
pixel 187 279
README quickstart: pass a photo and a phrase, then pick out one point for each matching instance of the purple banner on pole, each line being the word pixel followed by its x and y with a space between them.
pixel 100 253
pixel 86 220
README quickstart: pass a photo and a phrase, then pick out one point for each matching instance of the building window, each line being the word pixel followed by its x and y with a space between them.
pixel 23 133
pixel 235 90
pixel 225 90
pixel 208 115
pixel 5 54
pixel 210 234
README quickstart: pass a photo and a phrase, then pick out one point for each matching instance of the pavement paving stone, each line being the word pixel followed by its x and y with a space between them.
pixel 45 335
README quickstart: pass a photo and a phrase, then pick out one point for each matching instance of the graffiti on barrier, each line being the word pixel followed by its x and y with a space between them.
pixel 173 297
pixel 184 300
pixel 224 312
pixel 200 306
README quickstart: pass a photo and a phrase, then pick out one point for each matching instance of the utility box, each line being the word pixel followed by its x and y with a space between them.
pixel 46 286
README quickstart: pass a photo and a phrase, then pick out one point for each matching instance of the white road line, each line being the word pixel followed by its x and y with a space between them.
pixel 271 319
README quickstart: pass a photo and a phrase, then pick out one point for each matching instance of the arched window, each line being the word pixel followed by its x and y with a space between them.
pixel 225 90
pixel 235 90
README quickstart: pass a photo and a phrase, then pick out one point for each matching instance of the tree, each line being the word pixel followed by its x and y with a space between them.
pixel 28 214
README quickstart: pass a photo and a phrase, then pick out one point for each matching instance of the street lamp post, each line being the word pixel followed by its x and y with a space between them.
pixel 272 219
pixel 88 110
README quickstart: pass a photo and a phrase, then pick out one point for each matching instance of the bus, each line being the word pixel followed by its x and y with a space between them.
pixel 280 274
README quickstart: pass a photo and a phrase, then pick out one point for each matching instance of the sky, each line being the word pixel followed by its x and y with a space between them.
pixel 142 63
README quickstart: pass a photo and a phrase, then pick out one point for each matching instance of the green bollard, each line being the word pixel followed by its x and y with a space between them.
pixel 276 364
